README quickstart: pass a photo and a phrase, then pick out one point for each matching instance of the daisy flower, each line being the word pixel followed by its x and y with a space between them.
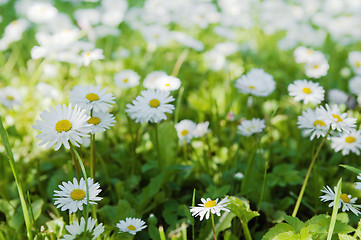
pixel 312 123
pixel 10 97
pixel 185 130
pixel 151 106
pixel 168 83
pixel 150 81
pixel 355 85
pixel 201 129
pixel 40 12
pixel 100 121
pixel 96 54
pixel 358 184
pixel 354 58
pixel 347 202
pixel 249 127
pixel 256 82
pixel 131 225
pixel 61 125
pixel 307 91
pixel 303 54
pixel 73 195
pixel 347 142
pixel 208 206
pixel 77 231
pixel 91 97
pixel 337 96
pixel 337 120
pixel 126 79
pixel 317 66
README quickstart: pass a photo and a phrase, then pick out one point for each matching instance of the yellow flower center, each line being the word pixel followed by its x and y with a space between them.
pixel 337 117
pixel 88 54
pixel 210 204
pixel 350 139
pixel 357 64
pixel 125 80
pixel 184 132
pixel 309 51
pixel 344 198
pixel 131 227
pixel 251 87
pixel 319 122
pixel 154 103
pixel 8 97
pixel 14 22
pixel 306 90
pixel 92 97
pixel 315 66
pixel 77 194
pixel 94 120
pixel 167 84
pixel 63 125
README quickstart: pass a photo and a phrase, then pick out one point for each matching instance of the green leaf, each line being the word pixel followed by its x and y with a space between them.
pixel 341 227
pixel 124 210
pixel 352 169
pixel 224 222
pixel 241 208
pixel 278 229
pixel 343 217
pixel 335 209
pixel 153 232
pixel 36 207
pixel 294 222
pixel 345 237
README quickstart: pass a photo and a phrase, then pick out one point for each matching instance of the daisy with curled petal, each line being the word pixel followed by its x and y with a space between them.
pixel 307 91
pixel 61 125
pixel 312 124
pixel 91 97
pixel 337 120
pixel 185 130
pixel 347 142
pixel 73 195
pixel 77 231
pixel 151 106
pixel 249 127
pixel 347 202
pixel 126 79
pixel 100 121
pixel 131 225
pixel 208 206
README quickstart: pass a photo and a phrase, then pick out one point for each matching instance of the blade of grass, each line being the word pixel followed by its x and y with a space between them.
pixel 27 218
pixel 335 210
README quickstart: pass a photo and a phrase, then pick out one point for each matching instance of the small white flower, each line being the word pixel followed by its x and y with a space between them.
pixel 347 202
pixel 256 82
pixel 307 91
pixel 185 130
pixel 40 12
pixel 238 176
pixel 210 206
pixel 151 79
pixel 91 97
pixel 337 96
pixel 77 231
pixel 312 122
pixel 168 83
pixel 61 125
pixel 358 184
pixel 151 106
pixel 337 120
pixel 73 195
pixel 126 79
pixel 304 55
pixel 100 121
pixel 354 59
pixel 131 225
pixel 355 85
pixel 47 90
pixel 249 127
pixel 317 66
pixel 89 56
pixel 10 97
pixel 201 129
pixel 347 142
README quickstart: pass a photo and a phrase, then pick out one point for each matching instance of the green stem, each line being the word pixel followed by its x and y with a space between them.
pixel 214 229
pixel 76 154
pixel 14 170
pixel 246 232
pixel 179 62
pixel 193 205
pixel 177 108
pixel 92 156
pixel 295 210
pixel 157 146
pixel 185 151
pixel 263 185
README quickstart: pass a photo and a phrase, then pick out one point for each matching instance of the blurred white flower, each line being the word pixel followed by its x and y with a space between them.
pixel 336 96
pixel 317 67
pixel 256 82
pixel 151 79
pixel 354 58
pixel 347 142
pixel 10 97
pixel 168 83
pixel 249 127
pixel 41 12
pixel 354 85
pixel 89 56
pixel 126 79
pixel 185 130
pixel 312 122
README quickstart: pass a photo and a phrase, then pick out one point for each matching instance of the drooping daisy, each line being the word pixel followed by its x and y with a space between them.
pixel 307 91
pixel 256 82
pixel 151 79
pixel 312 123
pixel 131 225
pixel 73 195
pixel 208 206
pixel 126 79
pixel 77 231
pixel 151 106
pixel 347 142
pixel 91 97
pixel 347 202
pixel 10 97
pixel 100 121
pixel 201 129
pixel 317 67
pixel 337 120
pixel 354 59
pixel 185 130
pixel 89 56
pixel 168 83
pixel 249 127
pixel 61 125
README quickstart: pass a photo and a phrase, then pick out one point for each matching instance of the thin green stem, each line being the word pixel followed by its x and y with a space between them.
pixel 157 146
pixel 14 170
pixel 185 151
pixel 92 156
pixel 214 229
pixel 193 205
pixel 263 185
pixel 295 210
pixel 335 210
pixel 246 232
pixel 73 149
pixel 179 62
pixel 177 108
